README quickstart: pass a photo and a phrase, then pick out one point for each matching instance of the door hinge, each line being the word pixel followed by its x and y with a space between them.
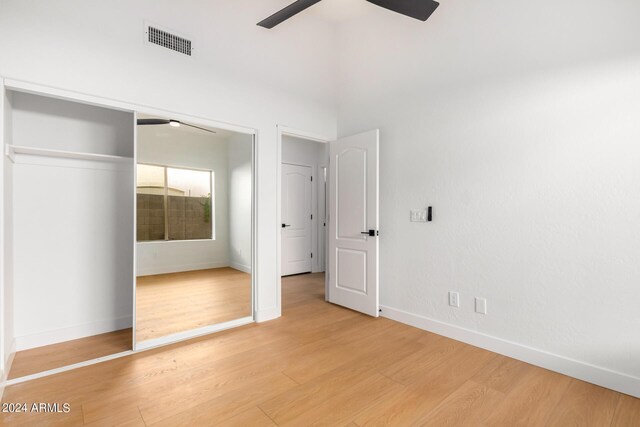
pixel 312 179
pixel 311 216
pixel 311 254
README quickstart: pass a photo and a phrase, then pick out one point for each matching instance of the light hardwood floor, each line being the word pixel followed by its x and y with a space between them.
pixel 178 302
pixel 321 365
pixel 53 356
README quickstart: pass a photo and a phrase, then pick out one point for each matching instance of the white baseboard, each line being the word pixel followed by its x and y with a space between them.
pixel 71 333
pixel 241 267
pixel 574 368
pixel 267 314
pixel 164 269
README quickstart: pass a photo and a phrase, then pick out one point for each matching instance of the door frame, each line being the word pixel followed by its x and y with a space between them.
pixel 322 237
pixel 309 136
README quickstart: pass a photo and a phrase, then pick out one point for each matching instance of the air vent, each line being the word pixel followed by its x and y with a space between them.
pixel 168 40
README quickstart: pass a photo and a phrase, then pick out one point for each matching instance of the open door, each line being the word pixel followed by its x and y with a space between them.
pixel 353 222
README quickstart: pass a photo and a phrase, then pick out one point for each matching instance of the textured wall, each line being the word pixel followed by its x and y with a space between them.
pixel 518 121
pixel 150 217
pixel 188 218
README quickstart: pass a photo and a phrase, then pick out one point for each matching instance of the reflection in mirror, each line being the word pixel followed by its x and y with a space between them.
pixel 193 228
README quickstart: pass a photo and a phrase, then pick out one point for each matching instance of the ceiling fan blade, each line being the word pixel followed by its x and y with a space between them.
pixel 286 13
pixel 142 122
pixel 198 127
pixel 418 9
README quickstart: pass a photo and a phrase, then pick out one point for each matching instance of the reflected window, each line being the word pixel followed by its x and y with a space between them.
pixel 174 203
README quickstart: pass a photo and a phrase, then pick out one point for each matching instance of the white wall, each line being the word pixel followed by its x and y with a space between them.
pixel 72 224
pixel 164 145
pixel 518 122
pixel 75 127
pixel 303 152
pixel 240 213
pixel 260 79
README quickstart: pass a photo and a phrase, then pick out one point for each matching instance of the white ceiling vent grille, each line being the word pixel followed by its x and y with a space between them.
pixel 168 40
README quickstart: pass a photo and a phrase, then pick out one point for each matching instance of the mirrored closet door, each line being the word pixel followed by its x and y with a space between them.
pixel 193 229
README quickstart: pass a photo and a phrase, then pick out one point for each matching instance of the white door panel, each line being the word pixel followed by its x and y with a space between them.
pixel 351 167
pixel 353 203
pixel 296 219
pixel 352 270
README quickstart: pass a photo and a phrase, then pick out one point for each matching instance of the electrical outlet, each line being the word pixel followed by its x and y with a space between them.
pixel 418 215
pixel 454 299
pixel 481 305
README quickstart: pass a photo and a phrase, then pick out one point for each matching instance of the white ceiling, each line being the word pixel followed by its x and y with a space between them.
pixel 336 11
pixel 331 11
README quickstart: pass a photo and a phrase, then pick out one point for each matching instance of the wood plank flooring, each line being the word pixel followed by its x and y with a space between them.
pixel 320 365
pixel 178 302
pixel 53 356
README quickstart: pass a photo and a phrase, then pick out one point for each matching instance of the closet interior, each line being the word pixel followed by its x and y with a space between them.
pixel 94 240
pixel 68 229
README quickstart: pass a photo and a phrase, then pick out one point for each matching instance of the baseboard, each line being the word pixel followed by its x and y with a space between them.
pixel 164 269
pixel 72 333
pixel 574 368
pixel 267 314
pixel 241 267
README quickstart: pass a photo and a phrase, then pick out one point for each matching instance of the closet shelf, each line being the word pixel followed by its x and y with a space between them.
pixel 12 150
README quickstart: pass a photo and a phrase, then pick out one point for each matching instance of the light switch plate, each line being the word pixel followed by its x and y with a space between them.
pixel 418 215
pixel 454 299
pixel 481 305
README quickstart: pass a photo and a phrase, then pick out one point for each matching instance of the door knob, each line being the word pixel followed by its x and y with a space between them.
pixel 372 233
pixel 286 225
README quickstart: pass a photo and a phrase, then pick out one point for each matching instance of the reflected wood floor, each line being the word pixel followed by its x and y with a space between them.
pixel 321 365
pixel 53 356
pixel 178 302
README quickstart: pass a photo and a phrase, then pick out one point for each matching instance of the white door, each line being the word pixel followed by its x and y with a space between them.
pixel 296 219
pixel 353 222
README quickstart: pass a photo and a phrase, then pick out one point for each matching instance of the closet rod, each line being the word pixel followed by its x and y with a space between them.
pixel 12 150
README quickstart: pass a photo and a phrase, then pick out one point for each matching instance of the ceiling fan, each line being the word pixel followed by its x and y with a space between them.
pixel 174 123
pixel 418 9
